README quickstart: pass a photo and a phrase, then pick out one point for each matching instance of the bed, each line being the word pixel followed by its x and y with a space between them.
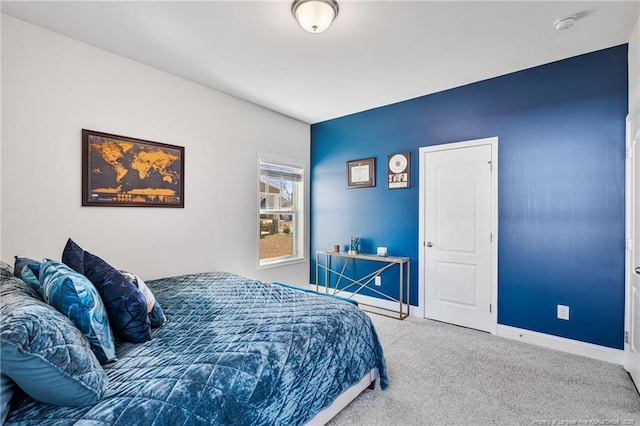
pixel 233 351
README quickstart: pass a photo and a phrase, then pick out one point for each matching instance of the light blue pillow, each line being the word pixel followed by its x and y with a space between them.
pixel 73 294
pixel 43 352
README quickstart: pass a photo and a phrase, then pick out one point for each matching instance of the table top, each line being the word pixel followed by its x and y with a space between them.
pixel 365 256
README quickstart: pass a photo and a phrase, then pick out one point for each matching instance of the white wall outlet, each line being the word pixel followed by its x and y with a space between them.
pixel 378 280
pixel 563 312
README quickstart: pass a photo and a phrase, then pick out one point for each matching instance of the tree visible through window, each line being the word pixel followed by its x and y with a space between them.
pixel 280 219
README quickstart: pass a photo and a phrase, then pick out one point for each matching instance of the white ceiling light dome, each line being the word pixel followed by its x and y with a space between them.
pixel 314 16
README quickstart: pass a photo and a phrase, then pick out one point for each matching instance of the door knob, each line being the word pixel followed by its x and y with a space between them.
pixel 430 244
pixel 637 270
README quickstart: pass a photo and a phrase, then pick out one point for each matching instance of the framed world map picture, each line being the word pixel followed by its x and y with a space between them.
pixel 120 171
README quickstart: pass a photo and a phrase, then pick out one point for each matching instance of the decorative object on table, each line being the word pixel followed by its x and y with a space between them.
pixel 335 248
pixel 398 170
pixel 354 245
pixel 361 173
pixel 119 171
pixel 382 251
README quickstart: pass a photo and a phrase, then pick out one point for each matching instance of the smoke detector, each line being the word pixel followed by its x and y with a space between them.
pixel 564 23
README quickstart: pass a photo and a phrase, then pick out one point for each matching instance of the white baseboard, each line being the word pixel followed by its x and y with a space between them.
pixel 575 347
pixel 368 300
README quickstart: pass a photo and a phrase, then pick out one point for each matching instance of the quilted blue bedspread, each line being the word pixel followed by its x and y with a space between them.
pixel 235 351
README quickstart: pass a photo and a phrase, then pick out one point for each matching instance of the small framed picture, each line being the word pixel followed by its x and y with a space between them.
pixel 398 170
pixel 361 173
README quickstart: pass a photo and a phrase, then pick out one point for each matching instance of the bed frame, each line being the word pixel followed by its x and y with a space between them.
pixel 368 381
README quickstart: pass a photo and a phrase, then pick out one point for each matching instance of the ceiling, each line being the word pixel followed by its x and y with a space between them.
pixel 375 53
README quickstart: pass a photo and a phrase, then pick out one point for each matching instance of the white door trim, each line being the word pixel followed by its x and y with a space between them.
pixel 629 231
pixel 493 142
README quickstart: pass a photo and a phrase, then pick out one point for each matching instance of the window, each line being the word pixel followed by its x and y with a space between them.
pixel 281 211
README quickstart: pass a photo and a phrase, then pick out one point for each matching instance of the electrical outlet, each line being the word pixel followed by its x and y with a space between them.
pixel 378 280
pixel 563 312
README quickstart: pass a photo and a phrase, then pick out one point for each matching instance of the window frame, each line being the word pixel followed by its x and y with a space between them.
pixel 298 212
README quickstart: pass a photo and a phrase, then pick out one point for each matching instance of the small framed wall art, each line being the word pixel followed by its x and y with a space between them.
pixel 398 170
pixel 119 171
pixel 361 173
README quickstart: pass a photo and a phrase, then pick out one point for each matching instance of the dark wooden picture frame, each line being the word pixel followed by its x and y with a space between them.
pixel 361 173
pixel 119 171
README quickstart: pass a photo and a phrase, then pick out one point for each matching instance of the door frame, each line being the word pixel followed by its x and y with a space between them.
pixel 493 142
pixel 629 215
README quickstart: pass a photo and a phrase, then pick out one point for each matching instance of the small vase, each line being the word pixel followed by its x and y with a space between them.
pixel 354 245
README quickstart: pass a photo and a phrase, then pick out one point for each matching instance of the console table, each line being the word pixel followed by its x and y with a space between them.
pixel 355 285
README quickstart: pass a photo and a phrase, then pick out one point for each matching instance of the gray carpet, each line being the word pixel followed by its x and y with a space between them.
pixel 442 374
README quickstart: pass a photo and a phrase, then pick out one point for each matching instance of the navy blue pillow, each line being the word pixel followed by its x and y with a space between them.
pixel 156 314
pixel 126 306
pixel 73 256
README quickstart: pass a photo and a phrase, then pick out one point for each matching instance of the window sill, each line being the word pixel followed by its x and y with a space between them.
pixel 281 262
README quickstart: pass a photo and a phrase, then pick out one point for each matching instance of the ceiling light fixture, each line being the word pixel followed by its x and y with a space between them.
pixel 314 16
pixel 564 23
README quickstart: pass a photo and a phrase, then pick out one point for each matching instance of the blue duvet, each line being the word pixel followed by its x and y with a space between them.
pixel 234 351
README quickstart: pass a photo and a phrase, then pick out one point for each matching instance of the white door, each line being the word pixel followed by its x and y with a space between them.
pixel 632 314
pixel 458 235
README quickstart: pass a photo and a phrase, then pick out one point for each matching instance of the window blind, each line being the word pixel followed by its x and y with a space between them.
pixel 273 171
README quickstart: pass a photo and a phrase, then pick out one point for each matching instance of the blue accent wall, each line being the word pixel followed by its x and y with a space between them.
pixel 561 130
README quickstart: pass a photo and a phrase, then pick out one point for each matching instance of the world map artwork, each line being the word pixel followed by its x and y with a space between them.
pixel 123 171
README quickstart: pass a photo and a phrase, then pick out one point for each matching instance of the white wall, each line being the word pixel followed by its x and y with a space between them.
pixel 634 65
pixel 54 86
